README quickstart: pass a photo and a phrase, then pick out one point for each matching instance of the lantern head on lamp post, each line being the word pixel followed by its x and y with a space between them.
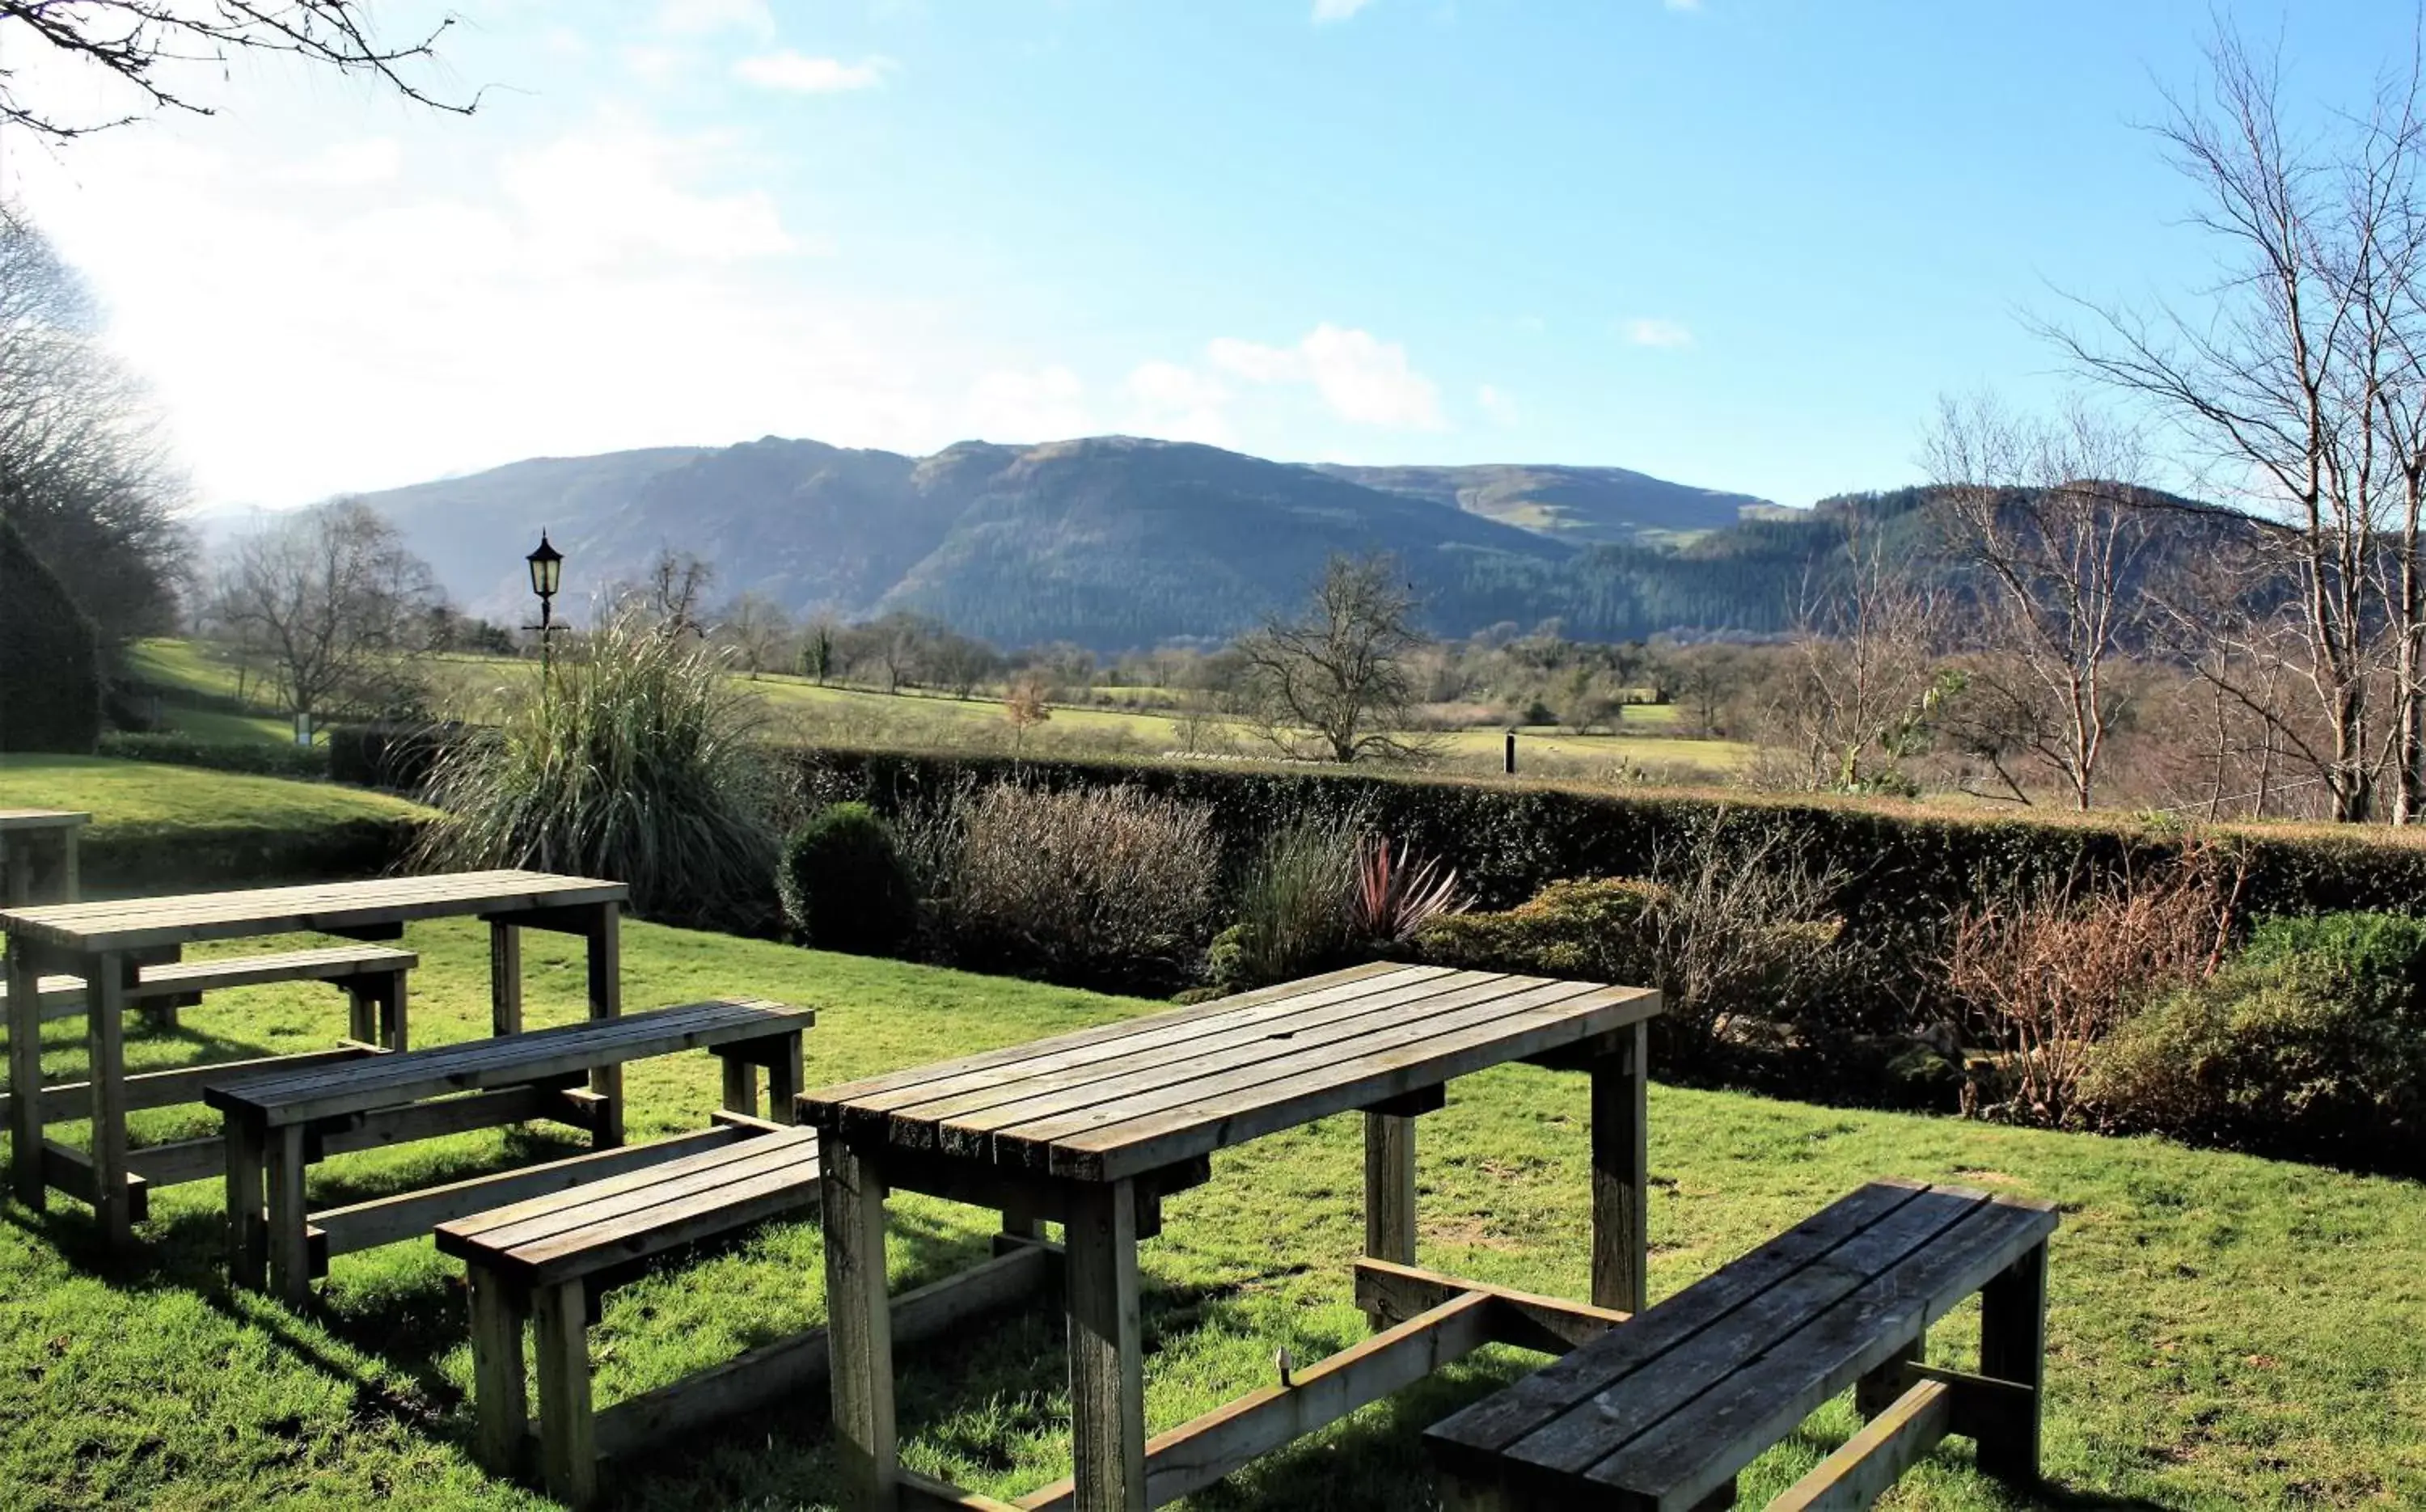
pixel 547 574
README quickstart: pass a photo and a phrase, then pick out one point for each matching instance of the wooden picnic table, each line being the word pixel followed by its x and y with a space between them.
pixel 24 832
pixel 107 944
pixel 1094 1128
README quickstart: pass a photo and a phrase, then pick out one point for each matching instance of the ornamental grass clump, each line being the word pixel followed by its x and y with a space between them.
pixel 632 760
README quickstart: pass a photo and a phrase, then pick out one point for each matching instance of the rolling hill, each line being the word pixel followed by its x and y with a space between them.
pixel 1109 541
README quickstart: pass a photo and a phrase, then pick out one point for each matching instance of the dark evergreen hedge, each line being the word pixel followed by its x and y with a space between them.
pixel 398 757
pixel 50 658
pixel 256 758
pixel 1901 869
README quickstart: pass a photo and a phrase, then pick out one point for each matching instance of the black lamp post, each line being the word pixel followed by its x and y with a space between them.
pixel 546 572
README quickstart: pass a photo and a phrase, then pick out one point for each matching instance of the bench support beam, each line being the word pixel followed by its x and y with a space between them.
pixel 1874 1460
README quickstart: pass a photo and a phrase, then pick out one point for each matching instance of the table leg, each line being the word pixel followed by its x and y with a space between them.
pixel 393 1003
pixel 26 1074
pixel 740 1085
pixel 248 1224
pixel 71 871
pixel 1106 1355
pixel 16 861
pixel 784 1082
pixel 607 1002
pixel 2012 1347
pixel 106 977
pixel 500 1397
pixel 1621 1176
pixel 1389 1191
pixel 505 978
pixel 859 1326
pixel 290 1245
pixel 568 1441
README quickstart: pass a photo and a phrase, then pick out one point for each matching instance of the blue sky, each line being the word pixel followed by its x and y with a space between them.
pixel 1738 243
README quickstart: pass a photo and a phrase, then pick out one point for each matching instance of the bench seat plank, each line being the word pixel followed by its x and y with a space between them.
pixel 335 963
pixel 611 1223
pixel 1664 1411
pixel 505 1061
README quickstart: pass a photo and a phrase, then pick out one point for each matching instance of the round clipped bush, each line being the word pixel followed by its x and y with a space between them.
pixel 844 885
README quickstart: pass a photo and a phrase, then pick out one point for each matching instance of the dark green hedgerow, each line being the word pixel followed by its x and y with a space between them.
pixel 1897 877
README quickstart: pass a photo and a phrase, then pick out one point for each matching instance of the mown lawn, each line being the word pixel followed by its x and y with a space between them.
pixel 129 799
pixel 2226 1332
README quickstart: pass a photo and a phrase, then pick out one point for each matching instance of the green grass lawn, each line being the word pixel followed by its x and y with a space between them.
pixel 128 798
pixel 2225 1332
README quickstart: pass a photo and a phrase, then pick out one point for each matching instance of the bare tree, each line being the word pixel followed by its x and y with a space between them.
pixel 146 45
pixel 330 600
pixel 2295 387
pixel 1869 671
pixel 84 474
pixel 759 631
pixel 674 589
pixel 2049 517
pixel 1336 678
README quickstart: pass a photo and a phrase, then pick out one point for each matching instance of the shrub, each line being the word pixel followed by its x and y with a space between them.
pixel 398 757
pixel 1111 887
pixel 634 761
pixel 1595 928
pixel 50 657
pixel 2286 1053
pixel 256 758
pixel 1293 905
pixel 1396 893
pixel 844 885
pixel 2378 959
pixel 2049 976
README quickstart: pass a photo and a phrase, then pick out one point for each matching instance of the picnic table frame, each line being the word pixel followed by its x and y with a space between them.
pixel 1094 1129
pixel 107 944
pixel 23 833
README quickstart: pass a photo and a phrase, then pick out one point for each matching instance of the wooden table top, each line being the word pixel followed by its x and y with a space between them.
pixel 129 924
pixel 1112 1101
pixel 42 818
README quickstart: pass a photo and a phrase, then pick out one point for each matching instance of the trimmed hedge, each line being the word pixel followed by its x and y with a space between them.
pixel 254 757
pixel 845 886
pixel 51 680
pixel 1509 842
pixel 397 757
pixel 133 860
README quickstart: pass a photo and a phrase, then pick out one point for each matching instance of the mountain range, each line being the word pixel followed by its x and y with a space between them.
pixel 1112 541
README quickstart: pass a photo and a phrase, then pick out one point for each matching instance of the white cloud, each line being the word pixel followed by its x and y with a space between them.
pixel 1364 379
pixel 1651 331
pixel 1325 10
pixel 1497 404
pixel 1178 404
pixel 699 18
pixel 803 74
pixel 1047 404
pixel 615 286
pixel 348 165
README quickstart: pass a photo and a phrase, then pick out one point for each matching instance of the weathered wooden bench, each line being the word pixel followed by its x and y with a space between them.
pixel 372 977
pixel 278 1125
pixel 1663 1411
pixel 552 1259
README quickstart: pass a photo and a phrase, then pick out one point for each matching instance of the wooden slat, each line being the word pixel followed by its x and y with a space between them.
pixel 1498 1421
pixel 921 1494
pixel 883 1092
pixel 1684 1457
pixel 1710 1357
pixel 135 923
pixel 379 1128
pixel 1334 1032
pixel 1199 1452
pixel 1861 1471
pixel 176 1164
pixel 1551 1325
pixel 171 1089
pixel 411 1214
pixel 42 819
pixel 331 963
pixel 537 1054
pixel 1076 1078
pixel 484 1236
pixel 70 1170
pixel 1094 1146
pixel 679 1203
